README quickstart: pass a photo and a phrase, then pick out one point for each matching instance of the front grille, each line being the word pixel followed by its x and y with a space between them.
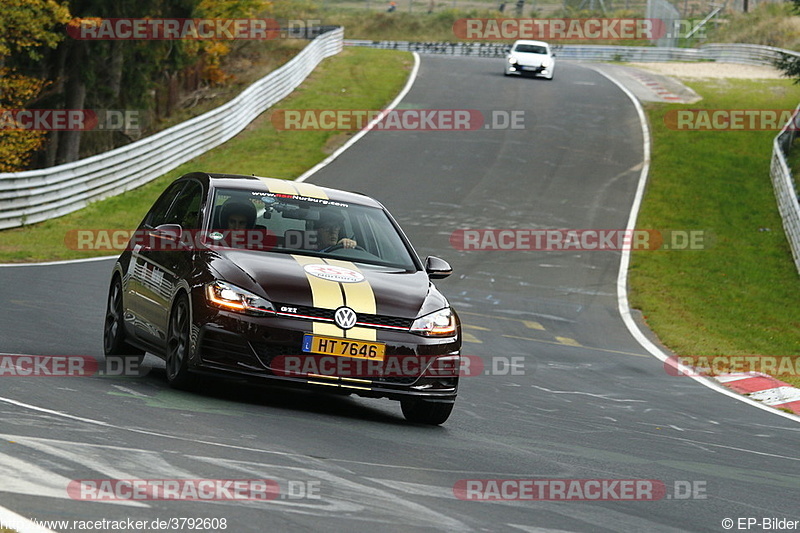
pixel 365 320
pixel 385 321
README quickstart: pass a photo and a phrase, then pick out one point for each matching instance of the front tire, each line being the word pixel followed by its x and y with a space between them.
pixel 426 412
pixel 114 343
pixel 178 344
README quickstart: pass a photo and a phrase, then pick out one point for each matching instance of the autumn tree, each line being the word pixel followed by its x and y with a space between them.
pixel 42 65
pixel 128 74
pixel 27 27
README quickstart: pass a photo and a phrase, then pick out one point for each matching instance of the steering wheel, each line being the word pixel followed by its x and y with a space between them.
pixel 340 246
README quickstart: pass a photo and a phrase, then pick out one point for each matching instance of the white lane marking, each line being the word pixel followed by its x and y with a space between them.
pixel 232 446
pixel 622 276
pixel 24 477
pixel 338 495
pixel 416 489
pixel 130 391
pixel 601 396
pixel 585 518
pixel 19 523
pixel 64 262
pixel 709 445
pixel 117 464
pixel 728 378
pixel 342 495
pixel 331 158
pixel 535 529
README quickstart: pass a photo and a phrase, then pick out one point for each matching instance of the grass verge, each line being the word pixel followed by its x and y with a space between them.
pixel 354 79
pixel 739 295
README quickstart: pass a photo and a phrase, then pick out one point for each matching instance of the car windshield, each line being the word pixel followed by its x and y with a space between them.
pixel 530 49
pixel 270 222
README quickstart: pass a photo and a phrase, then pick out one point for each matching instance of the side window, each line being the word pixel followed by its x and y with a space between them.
pixel 158 213
pixel 186 208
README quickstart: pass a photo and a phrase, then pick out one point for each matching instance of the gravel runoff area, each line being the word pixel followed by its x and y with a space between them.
pixel 710 69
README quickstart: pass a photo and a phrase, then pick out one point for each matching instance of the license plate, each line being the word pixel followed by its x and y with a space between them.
pixel 373 351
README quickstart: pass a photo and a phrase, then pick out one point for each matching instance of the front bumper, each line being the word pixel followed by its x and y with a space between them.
pixel 535 70
pixel 269 348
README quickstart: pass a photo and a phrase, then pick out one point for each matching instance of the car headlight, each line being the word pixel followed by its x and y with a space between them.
pixel 512 59
pixel 547 63
pixel 437 324
pixel 232 298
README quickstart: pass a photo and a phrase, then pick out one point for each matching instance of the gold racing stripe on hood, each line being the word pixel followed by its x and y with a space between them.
pixel 278 186
pixel 325 294
pixel 360 298
pixel 310 190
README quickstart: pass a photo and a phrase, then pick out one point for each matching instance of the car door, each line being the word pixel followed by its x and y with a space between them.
pixel 137 293
pixel 159 264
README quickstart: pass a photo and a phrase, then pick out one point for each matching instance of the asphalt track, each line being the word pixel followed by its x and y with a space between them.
pixel 584 399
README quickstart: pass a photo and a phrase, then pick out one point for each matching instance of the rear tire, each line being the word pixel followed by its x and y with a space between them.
pixel 114 343
pixel 426 412
pixel 178 344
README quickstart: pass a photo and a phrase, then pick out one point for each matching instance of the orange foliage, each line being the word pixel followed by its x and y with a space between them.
pixel 18 146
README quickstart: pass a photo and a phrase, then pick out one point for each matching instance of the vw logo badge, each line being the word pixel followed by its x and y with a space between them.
pixel 345 317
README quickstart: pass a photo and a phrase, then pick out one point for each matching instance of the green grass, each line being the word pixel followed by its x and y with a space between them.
pixel 740 295
pixel 354 79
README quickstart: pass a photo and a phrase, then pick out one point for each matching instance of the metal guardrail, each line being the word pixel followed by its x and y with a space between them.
pixel 784 186
pixel 749 54
pixel 38 195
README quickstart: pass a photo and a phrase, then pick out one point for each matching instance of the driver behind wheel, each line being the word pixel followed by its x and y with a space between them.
pixel 328 227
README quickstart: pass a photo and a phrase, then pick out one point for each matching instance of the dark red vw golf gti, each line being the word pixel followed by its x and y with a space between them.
pixel 290 282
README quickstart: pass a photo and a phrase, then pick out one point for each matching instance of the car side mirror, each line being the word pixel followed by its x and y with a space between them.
pixel 172 232
pixel 437 268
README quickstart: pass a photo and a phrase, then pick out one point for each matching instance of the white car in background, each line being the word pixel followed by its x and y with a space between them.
pixel 530 57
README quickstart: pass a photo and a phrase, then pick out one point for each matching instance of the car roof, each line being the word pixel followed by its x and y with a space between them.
pixel 538 43
pixel 282 186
